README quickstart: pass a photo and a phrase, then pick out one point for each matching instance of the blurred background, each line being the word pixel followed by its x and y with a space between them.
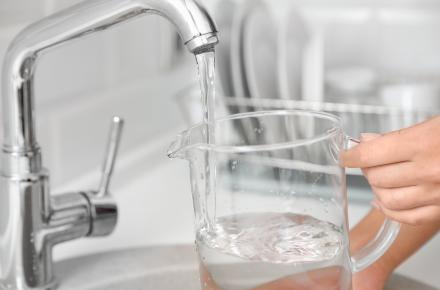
pixel 376 63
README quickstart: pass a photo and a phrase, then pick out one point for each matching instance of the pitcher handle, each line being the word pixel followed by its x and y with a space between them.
pixel 377 247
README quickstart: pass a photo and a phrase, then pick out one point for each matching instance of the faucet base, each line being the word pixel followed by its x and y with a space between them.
pixel 50 286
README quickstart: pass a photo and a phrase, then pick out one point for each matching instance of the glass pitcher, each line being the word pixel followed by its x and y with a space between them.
pixel 271 205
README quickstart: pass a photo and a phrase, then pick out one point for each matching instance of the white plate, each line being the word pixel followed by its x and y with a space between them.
pixel 275 39
pixel 261 53
pixel 240 83
pixel 293 41
pixel 292 38
pixel 224 16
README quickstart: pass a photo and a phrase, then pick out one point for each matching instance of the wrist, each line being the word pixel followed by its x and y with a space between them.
pixel 374 277
pixel 382 269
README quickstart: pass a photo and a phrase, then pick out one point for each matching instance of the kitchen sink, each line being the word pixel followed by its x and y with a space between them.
pixel 153 268
pixel 158 268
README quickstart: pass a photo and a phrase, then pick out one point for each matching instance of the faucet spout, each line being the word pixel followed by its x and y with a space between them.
pixel 191 20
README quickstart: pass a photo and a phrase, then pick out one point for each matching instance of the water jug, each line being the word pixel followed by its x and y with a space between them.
pixel 271 204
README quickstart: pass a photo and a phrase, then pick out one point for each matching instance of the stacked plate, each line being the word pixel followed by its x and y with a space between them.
pixel 261 49
pixel 270 57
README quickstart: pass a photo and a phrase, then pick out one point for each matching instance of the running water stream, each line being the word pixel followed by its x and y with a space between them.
pixel 206 67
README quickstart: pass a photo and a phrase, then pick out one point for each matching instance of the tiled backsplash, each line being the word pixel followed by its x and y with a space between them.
pixel 79 86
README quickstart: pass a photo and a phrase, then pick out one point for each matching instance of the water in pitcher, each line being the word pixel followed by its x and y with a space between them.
pixel 273 251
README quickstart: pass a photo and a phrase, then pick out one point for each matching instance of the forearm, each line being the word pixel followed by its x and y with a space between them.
pixel 410 239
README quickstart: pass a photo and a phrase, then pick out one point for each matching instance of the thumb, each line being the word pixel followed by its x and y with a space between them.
pixel 365 137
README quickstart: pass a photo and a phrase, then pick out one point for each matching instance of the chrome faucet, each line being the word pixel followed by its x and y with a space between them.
pixel 32 222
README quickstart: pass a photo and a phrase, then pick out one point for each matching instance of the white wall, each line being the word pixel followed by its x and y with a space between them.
pixel 394 37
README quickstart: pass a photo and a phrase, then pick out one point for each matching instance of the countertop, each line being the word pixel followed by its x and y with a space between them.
pixel 164 267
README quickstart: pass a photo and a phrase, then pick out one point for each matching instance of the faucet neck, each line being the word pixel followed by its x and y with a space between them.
pixel 192 22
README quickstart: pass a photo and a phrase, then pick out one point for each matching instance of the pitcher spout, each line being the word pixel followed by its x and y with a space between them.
pixel 189 140
pixel 177 148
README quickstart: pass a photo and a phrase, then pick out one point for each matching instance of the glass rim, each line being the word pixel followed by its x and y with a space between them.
pixel 265 147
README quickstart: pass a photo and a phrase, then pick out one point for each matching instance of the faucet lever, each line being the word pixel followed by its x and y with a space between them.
pixel 110 156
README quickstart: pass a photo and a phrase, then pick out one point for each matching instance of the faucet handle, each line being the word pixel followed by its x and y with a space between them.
pixel 103 209
pixel 110 156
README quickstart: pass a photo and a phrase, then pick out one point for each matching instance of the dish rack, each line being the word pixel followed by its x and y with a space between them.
pixel 356 118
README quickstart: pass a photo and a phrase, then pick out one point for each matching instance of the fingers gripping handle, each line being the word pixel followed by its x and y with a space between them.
pixel 110 156
pixel 377 247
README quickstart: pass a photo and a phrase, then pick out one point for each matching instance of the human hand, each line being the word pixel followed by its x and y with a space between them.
pixel 403 168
